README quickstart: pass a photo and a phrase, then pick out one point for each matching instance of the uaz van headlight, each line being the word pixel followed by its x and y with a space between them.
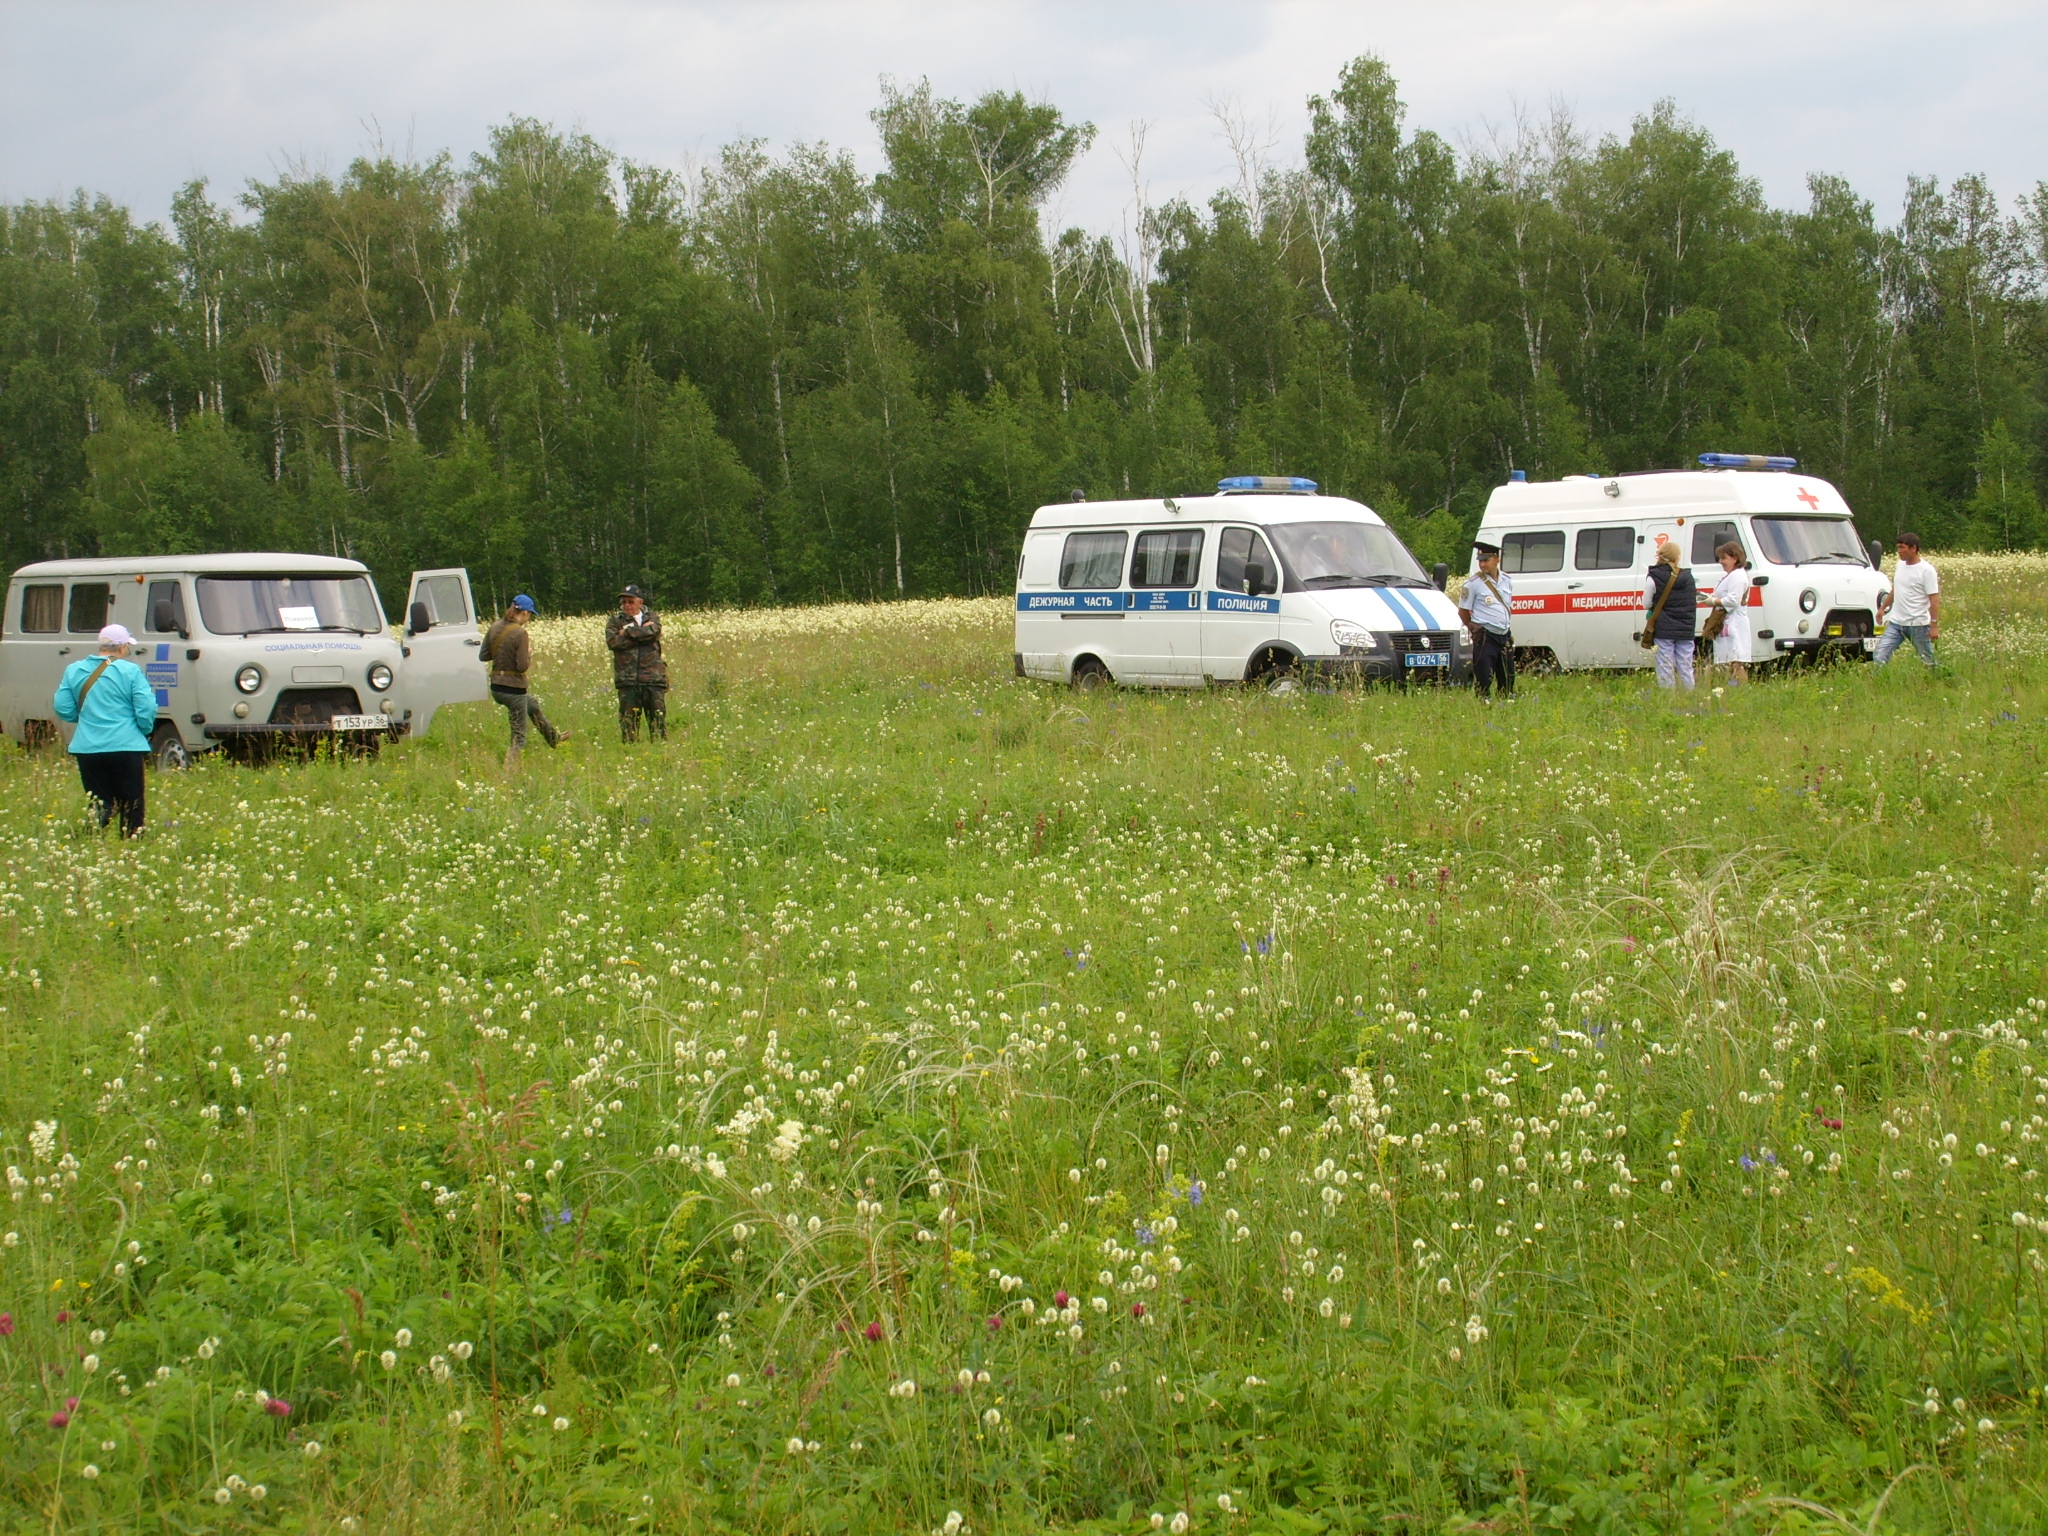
pixel 380 676
pixel 250 678
pixel 1809 600
pixel 1349 637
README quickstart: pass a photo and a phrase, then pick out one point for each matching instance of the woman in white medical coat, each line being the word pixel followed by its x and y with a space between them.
pixel 1731 645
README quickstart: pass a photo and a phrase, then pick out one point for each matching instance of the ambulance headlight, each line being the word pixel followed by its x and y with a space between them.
pixel 380 676
pixel 1349 637
pixel 250 678
pixel 1809 600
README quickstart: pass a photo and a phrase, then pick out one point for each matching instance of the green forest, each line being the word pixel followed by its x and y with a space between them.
pixel 776 379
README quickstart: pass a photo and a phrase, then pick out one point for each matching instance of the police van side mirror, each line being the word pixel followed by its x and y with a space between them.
pixel 418 621
pixel 164 618
pixel 1441 575
pixel 1256 580
pixel 1877 554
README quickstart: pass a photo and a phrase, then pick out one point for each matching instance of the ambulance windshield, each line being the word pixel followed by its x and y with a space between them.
pixel 1319 556
pixel 1808 541
pixel 262 605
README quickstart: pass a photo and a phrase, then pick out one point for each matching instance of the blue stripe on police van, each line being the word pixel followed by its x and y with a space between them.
pixel 1070 602
pixel 1238 602
pixel 1175 601
pixel 1413 604
pixel 1402 616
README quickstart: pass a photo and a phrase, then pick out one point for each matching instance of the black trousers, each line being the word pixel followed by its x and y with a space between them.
pixel 648 699
pixel 1493 660
pixel 114 779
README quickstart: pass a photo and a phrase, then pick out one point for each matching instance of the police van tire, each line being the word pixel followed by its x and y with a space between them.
pixel 38 735
pixel 1090 675
pixel 167 752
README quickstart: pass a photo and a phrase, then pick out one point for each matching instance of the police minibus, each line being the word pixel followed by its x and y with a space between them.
pixel 1578 550
pixel 243 650
pixel 1260 582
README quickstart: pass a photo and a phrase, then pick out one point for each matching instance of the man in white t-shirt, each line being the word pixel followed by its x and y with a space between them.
pixel 1912 611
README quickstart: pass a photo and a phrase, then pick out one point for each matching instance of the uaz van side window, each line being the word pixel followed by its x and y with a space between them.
pixel 1169 557
pixel 1605 549
pixel 91 604
pixel 1532 552
pixel 42 610
pixel 1093 561
pixel 1708 537
pixel 1241 556
pixel 172 595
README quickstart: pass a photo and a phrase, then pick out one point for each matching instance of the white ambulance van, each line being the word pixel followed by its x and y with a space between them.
pixel 1580 548
pixel 1261 582
pixel 243 650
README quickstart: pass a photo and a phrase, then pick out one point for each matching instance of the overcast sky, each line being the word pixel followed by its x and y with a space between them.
pixel 133 97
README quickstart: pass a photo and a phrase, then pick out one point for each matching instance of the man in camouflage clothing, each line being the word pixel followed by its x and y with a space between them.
pixel 638 672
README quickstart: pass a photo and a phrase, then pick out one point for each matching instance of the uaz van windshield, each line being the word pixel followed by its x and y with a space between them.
pixel 1319 556
pixel 1808 540
pixel 266 605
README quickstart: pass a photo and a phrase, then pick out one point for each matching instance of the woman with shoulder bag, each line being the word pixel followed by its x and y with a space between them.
pixel 1670 598
pixel 113 709
pixel 1727 619
pixel 509 650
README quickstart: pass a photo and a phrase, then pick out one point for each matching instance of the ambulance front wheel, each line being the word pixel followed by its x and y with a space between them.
pixel 1090 675
pixel 1536 661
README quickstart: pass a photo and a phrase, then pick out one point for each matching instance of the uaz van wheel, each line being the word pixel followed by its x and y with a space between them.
pixel 167 751
pixel 1090 675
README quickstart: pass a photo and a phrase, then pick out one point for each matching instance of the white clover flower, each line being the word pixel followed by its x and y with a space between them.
pixel 389 1360
pixel 1223 1502
pixel 733 1380
pixel 1327 1307
pixel 462 1349
pixel 88 1471
pixel 223 1496
pixel 454 1419
pixel 560 1424
pixel 964 1376
pixel 991 1418
pixel 404 1339
pixel 311 1448
pixel 1180 1523
pixel 89 1364
pixel 258 1492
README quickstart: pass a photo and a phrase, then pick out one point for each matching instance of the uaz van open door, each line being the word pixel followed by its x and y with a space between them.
pixel 442 665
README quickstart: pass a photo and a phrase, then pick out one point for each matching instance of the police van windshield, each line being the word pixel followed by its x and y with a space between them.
pixel 1808 540
pixel 1320 556
pixel 272 605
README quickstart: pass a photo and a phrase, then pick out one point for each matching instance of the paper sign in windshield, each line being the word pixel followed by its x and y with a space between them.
pixel 299 618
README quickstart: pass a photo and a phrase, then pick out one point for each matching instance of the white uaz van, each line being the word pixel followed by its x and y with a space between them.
pixel 1259 582
pixel 1579 549
pixel 242 647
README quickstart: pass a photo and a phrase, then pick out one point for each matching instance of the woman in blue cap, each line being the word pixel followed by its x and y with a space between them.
pixel 509 650
pixel 113 709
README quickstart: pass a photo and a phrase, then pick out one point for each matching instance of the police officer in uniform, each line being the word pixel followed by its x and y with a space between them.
pixel 1488 609
pixel 638 672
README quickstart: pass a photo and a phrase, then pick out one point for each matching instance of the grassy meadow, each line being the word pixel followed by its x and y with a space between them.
pixel 910 1099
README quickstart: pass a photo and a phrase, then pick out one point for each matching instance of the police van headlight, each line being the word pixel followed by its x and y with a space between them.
pixel 1349 637
pixel 1809 600
pixel 380 676
pixel 250 678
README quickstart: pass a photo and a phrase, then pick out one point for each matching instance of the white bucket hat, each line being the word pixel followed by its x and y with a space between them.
pixel 115 634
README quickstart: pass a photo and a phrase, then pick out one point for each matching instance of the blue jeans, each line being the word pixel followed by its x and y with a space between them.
pixel 1895 633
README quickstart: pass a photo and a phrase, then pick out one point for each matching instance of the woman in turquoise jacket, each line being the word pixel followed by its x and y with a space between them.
pixel 109 700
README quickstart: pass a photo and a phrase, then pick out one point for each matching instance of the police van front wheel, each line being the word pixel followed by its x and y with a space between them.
pixel 1090 675
pixel 167 752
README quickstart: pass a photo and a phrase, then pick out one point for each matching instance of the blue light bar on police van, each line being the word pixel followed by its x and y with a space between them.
pixel 1283 484
pixel 1745 461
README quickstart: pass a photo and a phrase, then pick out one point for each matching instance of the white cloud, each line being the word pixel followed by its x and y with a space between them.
pixel 132 99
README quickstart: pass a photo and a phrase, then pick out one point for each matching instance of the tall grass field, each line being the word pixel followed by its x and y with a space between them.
pixel 911 1099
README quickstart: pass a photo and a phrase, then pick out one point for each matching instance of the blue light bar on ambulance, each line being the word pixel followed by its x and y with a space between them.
pixel 1744 461
pixel 1286 485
